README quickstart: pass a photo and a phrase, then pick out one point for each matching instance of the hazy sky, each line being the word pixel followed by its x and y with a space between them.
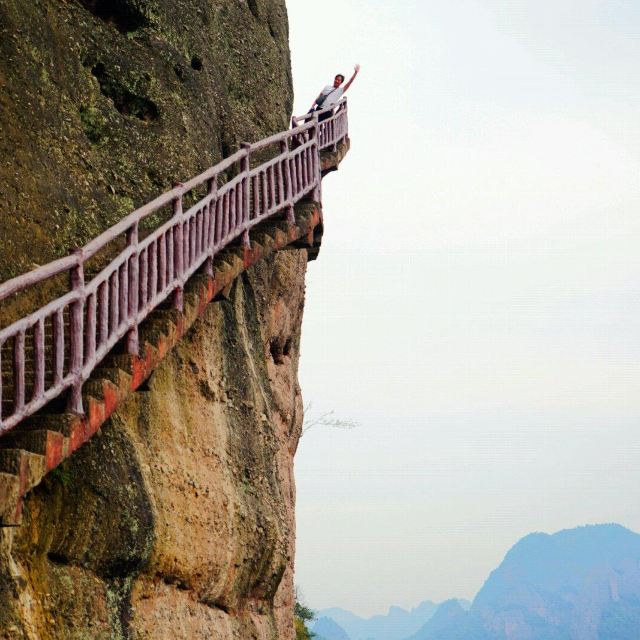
pixel 475 304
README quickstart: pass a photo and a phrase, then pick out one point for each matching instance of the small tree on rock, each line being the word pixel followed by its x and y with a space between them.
pixel 302 616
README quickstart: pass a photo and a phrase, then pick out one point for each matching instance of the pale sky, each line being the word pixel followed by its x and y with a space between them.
pixel 475 304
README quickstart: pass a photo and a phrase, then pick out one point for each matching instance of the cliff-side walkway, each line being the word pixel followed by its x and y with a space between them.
pixel 107 314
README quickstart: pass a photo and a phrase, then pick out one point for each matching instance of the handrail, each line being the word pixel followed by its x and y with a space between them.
pixel 73 332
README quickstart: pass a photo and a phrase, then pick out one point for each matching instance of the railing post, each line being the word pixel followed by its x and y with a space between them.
pixel 245 168
pixel 288 187
pixel 346 118
pixel 19 372
pixel 58 347
pixel 39 359
pixel 212 190
pixel 134 289
pixel 178 253
pixel 76 335
pixel 317 191
pixel 90 323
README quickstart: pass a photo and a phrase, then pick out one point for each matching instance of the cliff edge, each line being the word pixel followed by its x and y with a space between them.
pixel 177 519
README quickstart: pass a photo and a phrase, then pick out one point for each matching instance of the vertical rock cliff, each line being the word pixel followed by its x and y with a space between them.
pixel 177 519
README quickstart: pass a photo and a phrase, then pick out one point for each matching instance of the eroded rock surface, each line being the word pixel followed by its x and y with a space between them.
pixel 176 520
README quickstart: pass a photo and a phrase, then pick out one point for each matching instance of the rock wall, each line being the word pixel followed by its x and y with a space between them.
pixel 104 104
pixel 177 519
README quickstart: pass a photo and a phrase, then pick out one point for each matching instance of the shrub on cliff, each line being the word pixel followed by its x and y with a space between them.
pixel 303 615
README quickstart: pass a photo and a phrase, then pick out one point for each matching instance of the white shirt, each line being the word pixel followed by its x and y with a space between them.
pixel 333 95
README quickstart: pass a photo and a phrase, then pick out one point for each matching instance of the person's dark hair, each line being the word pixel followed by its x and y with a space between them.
pixel 339 75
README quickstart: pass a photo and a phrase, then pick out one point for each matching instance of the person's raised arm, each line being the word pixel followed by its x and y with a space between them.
pixel 352 78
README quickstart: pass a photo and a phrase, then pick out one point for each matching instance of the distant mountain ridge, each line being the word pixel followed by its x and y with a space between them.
pixel 578 584
pixel 398 623
pixel 328 629
pixel 451 622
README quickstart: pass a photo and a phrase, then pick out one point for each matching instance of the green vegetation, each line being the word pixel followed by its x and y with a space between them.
pixel 61 474
pixel 302 616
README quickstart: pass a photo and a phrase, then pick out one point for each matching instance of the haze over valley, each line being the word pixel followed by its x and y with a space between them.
pixel 578 584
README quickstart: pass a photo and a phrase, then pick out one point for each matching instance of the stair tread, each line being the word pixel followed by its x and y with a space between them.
pixel 11 460
pixel 35 441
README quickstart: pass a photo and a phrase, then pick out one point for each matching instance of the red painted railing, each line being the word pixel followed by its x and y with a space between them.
pixel 57 347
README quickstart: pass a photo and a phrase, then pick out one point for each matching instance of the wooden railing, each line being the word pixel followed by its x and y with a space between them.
pixel 56 347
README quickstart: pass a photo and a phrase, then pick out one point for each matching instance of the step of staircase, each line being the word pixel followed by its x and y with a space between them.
pixel 27 470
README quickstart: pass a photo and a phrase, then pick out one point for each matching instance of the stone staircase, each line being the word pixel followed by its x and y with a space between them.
pixel 41 442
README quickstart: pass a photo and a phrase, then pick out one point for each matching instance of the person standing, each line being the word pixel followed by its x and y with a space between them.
pixel 330 95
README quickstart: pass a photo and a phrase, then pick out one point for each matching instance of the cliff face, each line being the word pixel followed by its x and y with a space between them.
pixel 177 519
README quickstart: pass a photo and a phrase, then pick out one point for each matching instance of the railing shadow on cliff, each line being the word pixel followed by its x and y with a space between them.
pixel 52 351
